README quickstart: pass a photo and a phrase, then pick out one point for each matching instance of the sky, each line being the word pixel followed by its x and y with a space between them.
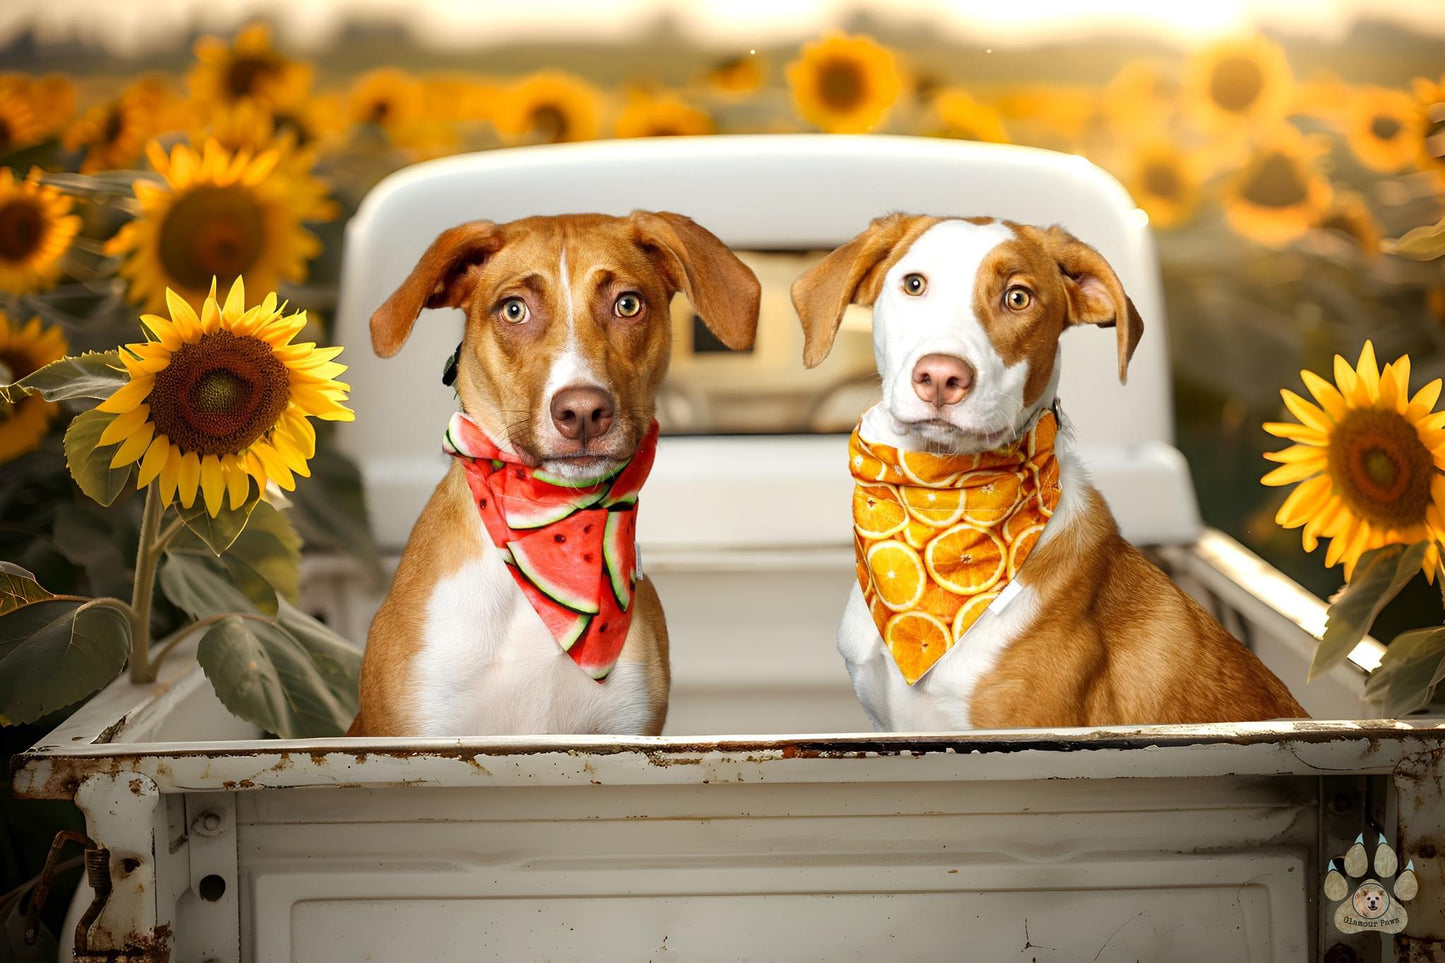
pixel 131 27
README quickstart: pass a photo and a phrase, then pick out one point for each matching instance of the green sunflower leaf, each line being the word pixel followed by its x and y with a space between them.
pixel 1379 576
pixel 293 677
pixel 56 652
pixel 263 561
pixel 201 587
pixel 95 374
pixel 18 587
pixel 89 461
pixel 220 532
pixel 1412 667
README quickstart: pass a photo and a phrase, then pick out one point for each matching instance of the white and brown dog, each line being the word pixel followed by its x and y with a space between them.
pixel 967 314
pixel 567 339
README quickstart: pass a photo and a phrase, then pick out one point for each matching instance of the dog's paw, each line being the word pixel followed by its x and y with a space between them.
pixel 1370 901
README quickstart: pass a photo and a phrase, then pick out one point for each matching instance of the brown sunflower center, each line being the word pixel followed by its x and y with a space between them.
pixel 1276 182
pixel 840 84
pixel 6 135
pixel 1385 128
pixel 244 75
pixel 550 121
pixel 1236 84
pixel 1162 179
pixel 1380 467
pixel 1435 131
pixel 284 122
pixel 114 125
pixel 22 228
pixel 379 111
pixel 219 394
pixel 212 232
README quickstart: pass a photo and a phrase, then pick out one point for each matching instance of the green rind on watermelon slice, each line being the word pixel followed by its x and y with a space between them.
pixel 624 488
pixel 619 550
pixel 522 513
pixel 564 560
pixel 565 625
pixel 545 476
pixel 597 651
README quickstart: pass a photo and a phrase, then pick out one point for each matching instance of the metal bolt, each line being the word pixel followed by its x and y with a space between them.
pixel 208 823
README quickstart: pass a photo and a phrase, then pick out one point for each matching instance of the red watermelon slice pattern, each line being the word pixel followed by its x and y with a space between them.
pixel 571 545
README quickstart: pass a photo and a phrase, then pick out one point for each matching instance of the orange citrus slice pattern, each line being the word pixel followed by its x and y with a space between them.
pixel 938 537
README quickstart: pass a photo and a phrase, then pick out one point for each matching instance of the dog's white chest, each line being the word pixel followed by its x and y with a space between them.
pixel 490 666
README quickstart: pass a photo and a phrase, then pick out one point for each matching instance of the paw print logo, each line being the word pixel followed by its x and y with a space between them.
pixel 1372 905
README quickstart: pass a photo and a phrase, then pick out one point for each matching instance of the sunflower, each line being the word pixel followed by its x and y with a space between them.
pixel 18 124
pixel 394 102
pixel 1165 182
pixel 218 214
pixel 24 350
pixel 1235 83
pixel 1279 193
pixel 844 84
pixel 250 127
pixel 291 127
pixel 662 115
pixel 549 106
pixel 1383 128
pixel 1368 458
pixel 249 69
pixel 113 134
pixel 217 399
pixel 737 76
pixel 36 228
pixel 51 99
pixel 963 118
pixel 1348 216
pixel 1430 155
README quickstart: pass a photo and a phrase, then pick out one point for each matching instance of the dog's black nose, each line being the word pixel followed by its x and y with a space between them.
pixel 582 413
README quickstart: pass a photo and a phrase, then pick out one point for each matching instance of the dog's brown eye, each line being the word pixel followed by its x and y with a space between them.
pixel 627 305
pixel 1018 298
pixel 914 284
pixel 514 311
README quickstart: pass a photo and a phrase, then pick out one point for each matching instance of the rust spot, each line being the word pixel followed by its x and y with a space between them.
pixel 318 758
pixel 282 764
pixel 1427 849
pixel 238 784
pixel 137 786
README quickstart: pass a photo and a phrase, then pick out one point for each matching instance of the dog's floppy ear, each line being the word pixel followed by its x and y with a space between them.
pixel 851 274
pixel 1095 294
pixel 723 290
pixel 443 278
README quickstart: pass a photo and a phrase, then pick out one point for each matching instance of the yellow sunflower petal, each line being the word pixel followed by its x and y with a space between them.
pixel 1299 453
pixel 235 301
pixel 238 482
pixel 273 465
pixel 1424 400
pixel 213 484
pixel 188 480
pixel 1369 371
pixel 124 425
pixel 135 446
pixel 1308 414
pixel 1345 377
pixel 154 460
pixel 170 474
pixel 1304 502
pixel 1326 394
pixel 1289 474
pixel 183 316
pixel 128 395
pixel 1299 433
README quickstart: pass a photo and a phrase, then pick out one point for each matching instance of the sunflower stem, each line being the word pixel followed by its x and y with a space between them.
pixel 146 559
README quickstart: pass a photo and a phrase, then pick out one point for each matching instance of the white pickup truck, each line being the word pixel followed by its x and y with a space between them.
pixel 766 824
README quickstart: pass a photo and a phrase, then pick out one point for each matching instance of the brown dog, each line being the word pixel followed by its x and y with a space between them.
pixel 967 315
pixel 567 339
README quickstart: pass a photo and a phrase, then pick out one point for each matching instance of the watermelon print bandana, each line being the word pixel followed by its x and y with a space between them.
pixel 939 537
pixel 571 544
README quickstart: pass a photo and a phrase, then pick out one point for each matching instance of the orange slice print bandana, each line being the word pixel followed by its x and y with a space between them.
pixel 938 537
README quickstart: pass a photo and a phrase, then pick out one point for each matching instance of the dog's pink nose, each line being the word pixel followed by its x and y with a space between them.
pixel 582 413
pixel 941 379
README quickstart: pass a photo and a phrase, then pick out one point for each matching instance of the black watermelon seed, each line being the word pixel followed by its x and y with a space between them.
pixel 587 557
pixel 559 539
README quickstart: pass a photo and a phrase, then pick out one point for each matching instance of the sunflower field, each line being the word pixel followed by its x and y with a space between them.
pixel 1296 192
